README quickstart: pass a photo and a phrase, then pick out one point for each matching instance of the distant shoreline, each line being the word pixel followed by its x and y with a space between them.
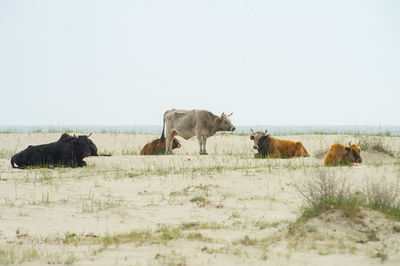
pixel 240 130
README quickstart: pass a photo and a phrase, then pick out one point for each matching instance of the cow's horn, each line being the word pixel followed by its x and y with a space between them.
pixel 223 114
pixel 349 143
pixel 266 131
pixel 252 131
pixel 90 134
pixel 229 114
pixel 358 144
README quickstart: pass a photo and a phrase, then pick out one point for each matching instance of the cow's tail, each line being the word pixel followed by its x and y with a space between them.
pixel 12 162
pixel 162 138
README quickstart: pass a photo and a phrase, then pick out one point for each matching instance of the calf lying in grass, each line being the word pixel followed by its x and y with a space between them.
pixel 340 154
pixel 157 146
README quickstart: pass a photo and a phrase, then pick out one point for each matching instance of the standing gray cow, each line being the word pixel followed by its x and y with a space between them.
pixel 187 124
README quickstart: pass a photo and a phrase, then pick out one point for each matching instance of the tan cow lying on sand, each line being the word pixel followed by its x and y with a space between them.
pixel 157 146
pixel 340 154
pixel 270 147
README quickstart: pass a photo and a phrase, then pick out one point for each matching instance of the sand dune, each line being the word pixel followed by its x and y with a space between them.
pixel 226 208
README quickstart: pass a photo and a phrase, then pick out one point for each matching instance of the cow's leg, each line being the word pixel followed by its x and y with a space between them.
pixel 200 139
pixel 204 139
pixel 168 143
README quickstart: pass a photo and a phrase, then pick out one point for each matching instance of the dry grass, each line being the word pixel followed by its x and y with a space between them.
pixel 325 191
pixel 224 208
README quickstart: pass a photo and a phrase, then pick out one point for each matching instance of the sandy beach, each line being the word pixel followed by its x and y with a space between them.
pixel 224 208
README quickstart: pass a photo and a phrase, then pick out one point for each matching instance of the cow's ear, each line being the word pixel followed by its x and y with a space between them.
pixel 252 137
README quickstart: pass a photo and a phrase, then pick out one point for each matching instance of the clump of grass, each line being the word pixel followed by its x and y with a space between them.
pixel 324 191
pixel 202 226
pixel 382 255
pixel 374 144
pixel 383 197
pixel 169 233
pixel 173 259
pixel 247 241
pixel 200 201
pixel 130 152
pixel 70 260
pixel 6 154
pixel 262 225
pixel 137 237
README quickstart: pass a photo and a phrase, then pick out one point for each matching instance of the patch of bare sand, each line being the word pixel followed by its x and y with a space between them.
pixel 224 208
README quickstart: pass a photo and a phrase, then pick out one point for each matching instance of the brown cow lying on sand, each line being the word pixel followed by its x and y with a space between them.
pixel 157 146
pixel 268 146
pixel 340 154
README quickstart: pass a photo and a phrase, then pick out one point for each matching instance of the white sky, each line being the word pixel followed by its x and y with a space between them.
pixel 268 62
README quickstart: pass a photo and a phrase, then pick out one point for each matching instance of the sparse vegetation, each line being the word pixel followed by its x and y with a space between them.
pixel 325 191
pixel 6 154
pixel 200 201
pixel 130 152
pixel 374 144
pixel 383 197
pixel 224 205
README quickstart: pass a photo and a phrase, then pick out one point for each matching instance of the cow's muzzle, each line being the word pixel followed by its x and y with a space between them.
pixel 233 128
pixel 255 147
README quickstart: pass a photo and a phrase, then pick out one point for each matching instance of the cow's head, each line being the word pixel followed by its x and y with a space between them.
pixel 225 123
pixel 93 148
pixel 175 144
pixel 257 136
pixel 83 145
pixel 353 153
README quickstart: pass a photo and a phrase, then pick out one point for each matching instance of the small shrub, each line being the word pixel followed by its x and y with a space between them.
pixel 248 241
pixel 200 201
pixel 374 144
pixel 381 255
pixel 325 191
pixel 383 197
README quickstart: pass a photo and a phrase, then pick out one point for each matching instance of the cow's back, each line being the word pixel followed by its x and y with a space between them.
pixel 183 122
pixel 335 154
pixel 286 148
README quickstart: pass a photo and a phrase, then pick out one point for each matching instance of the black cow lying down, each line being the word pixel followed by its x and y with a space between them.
pixel 67 151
